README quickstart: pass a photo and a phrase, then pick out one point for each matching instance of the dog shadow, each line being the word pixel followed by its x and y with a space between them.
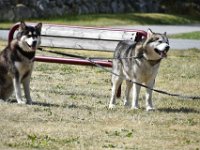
pixel 178 110
pixel 45 104
pixel 74 106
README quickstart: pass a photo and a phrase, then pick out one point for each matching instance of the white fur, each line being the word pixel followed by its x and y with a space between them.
pixel 23 67
pixel 162 46
pixel 26 43
pixel 29 41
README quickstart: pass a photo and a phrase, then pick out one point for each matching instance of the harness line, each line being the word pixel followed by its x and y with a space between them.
pixel 90 59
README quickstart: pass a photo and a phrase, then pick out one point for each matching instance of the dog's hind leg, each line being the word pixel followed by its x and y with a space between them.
pixel 127 93
pixel 6 90
pixel 116 82
pixel 136 91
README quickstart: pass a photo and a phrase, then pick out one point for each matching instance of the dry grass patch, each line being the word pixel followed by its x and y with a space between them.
pixel 70 110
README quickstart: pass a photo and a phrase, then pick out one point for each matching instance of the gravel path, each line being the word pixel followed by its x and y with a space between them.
pixel 170 29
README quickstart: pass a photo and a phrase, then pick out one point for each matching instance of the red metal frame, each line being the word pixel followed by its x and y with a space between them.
pixel 12 32
pixel 104 63
pixel 139 35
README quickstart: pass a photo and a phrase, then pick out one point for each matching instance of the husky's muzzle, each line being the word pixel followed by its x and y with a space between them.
pixel 32 43
pixel 162 49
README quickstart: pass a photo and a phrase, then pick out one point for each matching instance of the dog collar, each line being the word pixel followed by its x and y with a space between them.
pixel 29 55
pixel 153 62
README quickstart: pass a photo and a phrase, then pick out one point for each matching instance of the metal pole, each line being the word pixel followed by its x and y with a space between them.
pixel 104 63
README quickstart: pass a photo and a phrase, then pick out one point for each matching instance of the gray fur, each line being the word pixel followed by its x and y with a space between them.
pixel 143 69
pixel 16 63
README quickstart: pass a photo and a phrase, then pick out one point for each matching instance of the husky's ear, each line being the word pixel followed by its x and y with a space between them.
pixel 39 27
pixel 149 33
pixel 22 26
pixel 165 33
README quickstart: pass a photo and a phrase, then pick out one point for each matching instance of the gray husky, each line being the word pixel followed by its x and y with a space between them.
pixel 140 64
pixel 16 63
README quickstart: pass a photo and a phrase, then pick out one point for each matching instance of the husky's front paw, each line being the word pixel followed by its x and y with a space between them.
pixel 21 102
pixel 29 102
pixel 135 107
pixel 2 101
pixel 126 103
pixel 150 108
pixel 111 106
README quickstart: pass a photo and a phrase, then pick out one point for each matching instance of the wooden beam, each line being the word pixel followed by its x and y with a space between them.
pixel 75 43
pixel 88 32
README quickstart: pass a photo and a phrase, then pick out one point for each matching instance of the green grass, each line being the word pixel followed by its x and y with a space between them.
pixel 70 110
pixel 190 35
pixel 115 19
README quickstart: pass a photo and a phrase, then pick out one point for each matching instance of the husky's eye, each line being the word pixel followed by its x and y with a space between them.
pixel 34 34
pixel 29 34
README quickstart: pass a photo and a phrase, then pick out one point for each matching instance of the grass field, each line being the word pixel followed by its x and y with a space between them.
pixel 115 19
pixel 70 109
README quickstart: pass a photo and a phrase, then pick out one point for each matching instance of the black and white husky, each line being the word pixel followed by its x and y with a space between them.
pixel 142 69
pixel 16 63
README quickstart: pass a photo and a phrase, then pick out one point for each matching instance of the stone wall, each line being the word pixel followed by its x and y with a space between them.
pixel 15 10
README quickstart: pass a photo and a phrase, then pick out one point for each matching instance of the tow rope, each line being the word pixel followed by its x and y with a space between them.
pixel 90 59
